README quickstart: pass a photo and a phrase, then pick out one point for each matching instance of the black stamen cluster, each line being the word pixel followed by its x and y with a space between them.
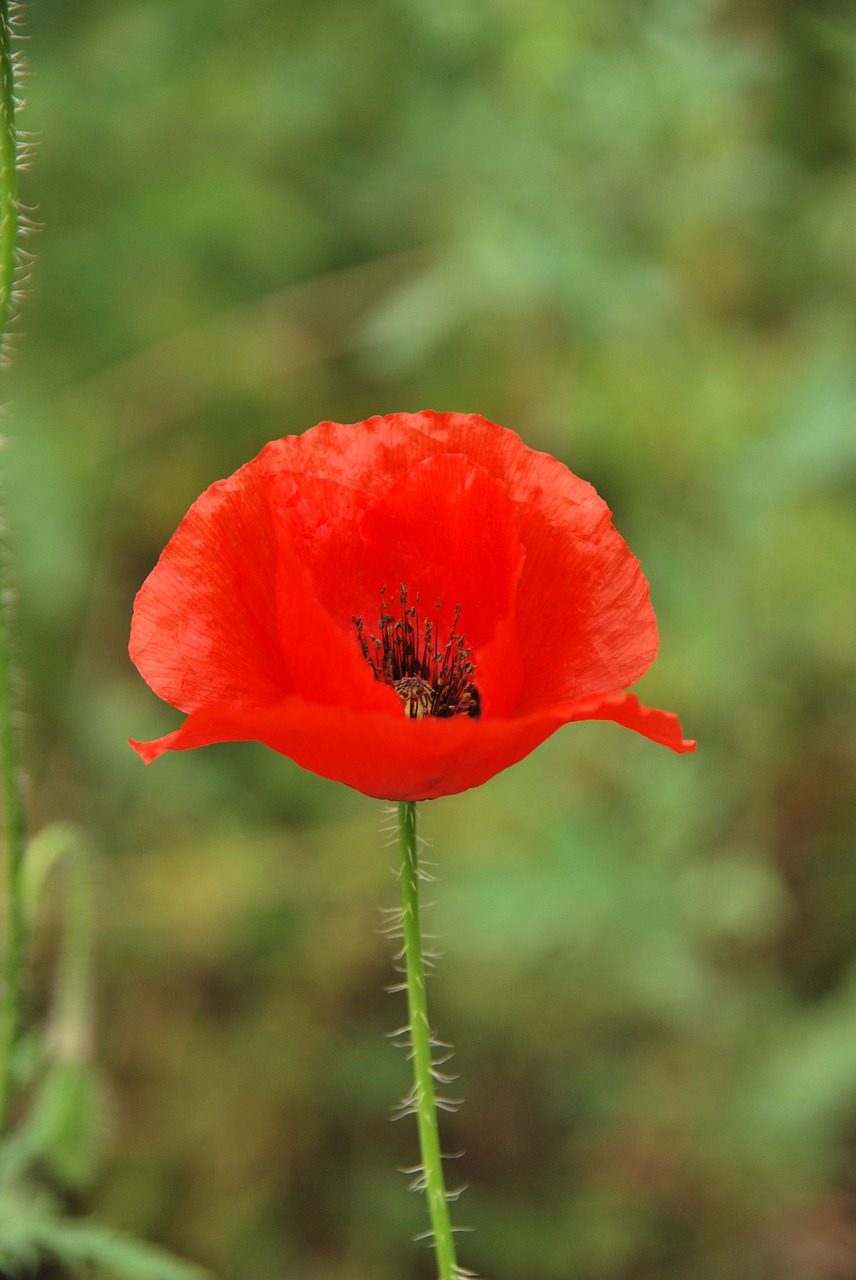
pixel 430 680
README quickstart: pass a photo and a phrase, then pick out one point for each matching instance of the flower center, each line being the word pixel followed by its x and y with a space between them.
pixel 430 678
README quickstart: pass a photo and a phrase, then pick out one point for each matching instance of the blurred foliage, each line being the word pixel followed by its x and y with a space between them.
pixel 50 1153
pixel 625 230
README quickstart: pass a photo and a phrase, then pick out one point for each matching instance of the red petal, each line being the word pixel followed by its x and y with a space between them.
pixel 393 758
pixel 323 517
pixel 625 709
pixel 204 625
pixel 585 616
pixel 585 621
pixel 229 614
pixel 445 528
pixel 448 530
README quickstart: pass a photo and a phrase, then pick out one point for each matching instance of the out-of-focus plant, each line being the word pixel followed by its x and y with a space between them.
pixel 50 1146
pixel 51 1109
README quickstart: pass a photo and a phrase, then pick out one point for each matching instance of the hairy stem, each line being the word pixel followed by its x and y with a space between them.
pixel 13 809
pixel 9 213
pixel 424 1097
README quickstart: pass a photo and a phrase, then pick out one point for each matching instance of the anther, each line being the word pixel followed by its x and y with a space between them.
pixel 430 678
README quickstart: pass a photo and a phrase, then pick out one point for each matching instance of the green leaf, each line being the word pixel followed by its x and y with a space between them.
pixel 62 1129
pixel 117 1256
pixel 31 1227
pixel 44 851
pixel 21 1212
pixel 67 1118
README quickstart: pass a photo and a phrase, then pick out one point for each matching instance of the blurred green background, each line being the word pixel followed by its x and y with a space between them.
pixel 628 231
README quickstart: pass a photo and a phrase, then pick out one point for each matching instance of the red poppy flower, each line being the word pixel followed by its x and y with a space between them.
pixel 407 605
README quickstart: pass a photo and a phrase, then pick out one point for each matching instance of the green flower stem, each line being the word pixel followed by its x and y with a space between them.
pixel 13 832
pixel 13 808
pixel 9 213
pixel 424 1098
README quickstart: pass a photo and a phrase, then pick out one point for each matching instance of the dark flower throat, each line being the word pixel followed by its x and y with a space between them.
pixel 431 679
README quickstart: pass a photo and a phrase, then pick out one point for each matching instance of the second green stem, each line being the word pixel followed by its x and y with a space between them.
pixel 424 1096
pixel 11 800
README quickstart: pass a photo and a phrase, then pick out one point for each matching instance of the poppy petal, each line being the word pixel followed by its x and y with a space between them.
pixel 585 620
pixel 625 709
pixel 449 530
pixel 222 558
pixel 230 614
pixel 393 758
